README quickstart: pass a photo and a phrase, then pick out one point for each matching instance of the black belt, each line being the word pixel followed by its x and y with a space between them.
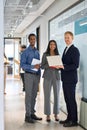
pixel 31 73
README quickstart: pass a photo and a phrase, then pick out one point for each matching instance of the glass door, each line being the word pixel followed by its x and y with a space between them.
pixel 17 57
pixel 12 52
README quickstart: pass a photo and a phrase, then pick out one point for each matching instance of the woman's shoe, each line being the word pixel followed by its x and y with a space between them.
pixel 56 118
pixel 48 119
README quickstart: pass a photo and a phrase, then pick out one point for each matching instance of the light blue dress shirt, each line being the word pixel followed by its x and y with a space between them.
pixel 27 57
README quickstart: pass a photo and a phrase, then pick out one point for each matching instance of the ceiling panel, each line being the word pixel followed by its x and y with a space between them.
pixel 35 1
pixel 15 11
pixel 11 2
pixel 23 2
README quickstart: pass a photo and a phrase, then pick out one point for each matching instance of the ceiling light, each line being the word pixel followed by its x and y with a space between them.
pixel 24 12
pixel 30 4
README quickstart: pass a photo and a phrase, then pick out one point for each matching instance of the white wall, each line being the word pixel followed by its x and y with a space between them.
pixel 57 7
pixel 1 69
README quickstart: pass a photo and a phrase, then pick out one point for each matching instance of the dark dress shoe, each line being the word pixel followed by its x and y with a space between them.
pixel 29 120
pixel 48 120
pixel 33 116
pixel 56 119
pixel 63 121
pixel 70 124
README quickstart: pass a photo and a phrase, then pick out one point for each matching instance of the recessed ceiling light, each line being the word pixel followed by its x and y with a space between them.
pixel 31 4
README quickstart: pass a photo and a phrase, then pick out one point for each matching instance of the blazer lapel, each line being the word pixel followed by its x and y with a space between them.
pixel 64 51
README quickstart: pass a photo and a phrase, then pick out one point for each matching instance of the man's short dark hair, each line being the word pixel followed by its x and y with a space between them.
pixel 32 34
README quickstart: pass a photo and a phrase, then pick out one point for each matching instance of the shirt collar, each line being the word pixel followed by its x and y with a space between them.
pixel 32 48
pixel 68 46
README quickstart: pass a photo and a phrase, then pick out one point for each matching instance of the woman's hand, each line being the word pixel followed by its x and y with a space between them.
pixel 59 67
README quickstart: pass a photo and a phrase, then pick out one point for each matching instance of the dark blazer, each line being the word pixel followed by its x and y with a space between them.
pixel 47 70
pixel 71 63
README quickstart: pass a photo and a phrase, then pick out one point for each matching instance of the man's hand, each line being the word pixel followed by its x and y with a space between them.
pixel 37 66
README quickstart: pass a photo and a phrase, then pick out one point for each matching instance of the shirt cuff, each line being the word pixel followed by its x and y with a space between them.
pixel 32 66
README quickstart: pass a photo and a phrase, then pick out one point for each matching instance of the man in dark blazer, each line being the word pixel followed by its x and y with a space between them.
pixel 69 78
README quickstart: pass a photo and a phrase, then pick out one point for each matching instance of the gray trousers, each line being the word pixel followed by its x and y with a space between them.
pixel 47 85
pixel 31 88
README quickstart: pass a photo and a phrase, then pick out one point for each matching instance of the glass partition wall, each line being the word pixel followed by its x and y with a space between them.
pixel 75 20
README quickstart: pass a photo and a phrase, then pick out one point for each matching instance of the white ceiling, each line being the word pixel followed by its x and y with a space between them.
pixel 18 15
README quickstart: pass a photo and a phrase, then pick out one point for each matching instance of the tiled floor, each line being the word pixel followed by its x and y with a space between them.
pixel 15 111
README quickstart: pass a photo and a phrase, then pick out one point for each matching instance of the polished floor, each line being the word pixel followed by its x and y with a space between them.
pixel 15 110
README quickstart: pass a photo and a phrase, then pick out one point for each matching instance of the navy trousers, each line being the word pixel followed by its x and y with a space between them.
pixel 69 96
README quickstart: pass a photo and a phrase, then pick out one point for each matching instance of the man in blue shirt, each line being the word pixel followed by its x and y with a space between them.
pixel 32 77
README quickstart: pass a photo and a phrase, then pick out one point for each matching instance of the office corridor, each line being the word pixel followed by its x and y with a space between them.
pixel 15 112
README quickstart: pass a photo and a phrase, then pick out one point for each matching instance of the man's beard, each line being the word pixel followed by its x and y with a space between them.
pixel 32 45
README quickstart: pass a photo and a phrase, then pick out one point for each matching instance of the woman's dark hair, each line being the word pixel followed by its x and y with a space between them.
pixel 48 48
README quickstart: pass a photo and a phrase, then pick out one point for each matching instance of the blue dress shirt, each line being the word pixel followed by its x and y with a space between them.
pixel 27 57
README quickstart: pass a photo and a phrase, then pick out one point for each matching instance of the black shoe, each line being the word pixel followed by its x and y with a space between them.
pixel 23 89
pixel 63 121
pixel 56 119
pixel 29 120
pixel 70 124
pixel 33 116
pixel 48 120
